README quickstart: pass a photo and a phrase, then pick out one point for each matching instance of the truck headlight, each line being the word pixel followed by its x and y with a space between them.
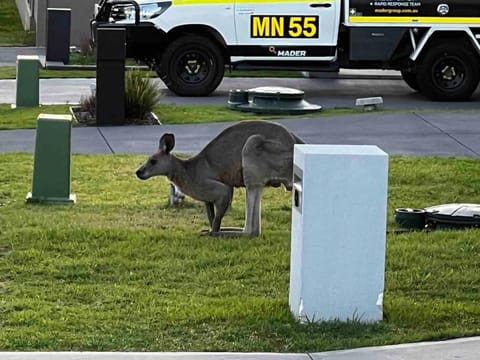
pixel 153 10
pixel 148 11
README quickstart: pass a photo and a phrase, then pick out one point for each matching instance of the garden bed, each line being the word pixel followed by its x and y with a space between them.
pixel 85 118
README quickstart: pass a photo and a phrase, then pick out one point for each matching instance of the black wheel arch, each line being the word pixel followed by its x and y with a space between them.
pixel 467 58
pixel 450 36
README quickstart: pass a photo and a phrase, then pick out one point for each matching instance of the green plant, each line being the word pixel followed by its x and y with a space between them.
pixel 86 47
pixel 87 104
pixel 141 95
pixel 79 58
pixel 86 112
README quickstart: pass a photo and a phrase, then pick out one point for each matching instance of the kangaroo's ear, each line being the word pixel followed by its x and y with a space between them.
pixel 167 142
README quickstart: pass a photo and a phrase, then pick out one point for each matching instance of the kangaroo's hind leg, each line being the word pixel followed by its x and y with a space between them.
pixel 256 173
pixel 216 211
pixel 265 162
pixel 253 210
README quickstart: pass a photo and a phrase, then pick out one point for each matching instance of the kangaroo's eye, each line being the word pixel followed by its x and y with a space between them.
pixel 152 161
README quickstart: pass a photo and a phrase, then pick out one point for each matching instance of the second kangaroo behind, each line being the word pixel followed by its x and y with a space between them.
pixel 250 154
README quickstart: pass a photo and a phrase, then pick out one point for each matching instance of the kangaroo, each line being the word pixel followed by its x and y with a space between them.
pixel 250 154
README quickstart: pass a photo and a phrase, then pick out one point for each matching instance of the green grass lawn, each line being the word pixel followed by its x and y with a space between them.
pixel 120 270
pixel 11 31
pixel 26 118
pixel 9 72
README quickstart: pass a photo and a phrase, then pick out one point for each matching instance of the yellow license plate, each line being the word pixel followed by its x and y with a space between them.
pixel 283 26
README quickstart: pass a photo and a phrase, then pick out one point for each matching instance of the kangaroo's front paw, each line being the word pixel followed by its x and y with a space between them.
pixel 232 232
pixel 228 234
pixel 205 232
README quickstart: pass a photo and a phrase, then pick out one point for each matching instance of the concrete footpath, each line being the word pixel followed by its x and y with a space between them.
pixel 406 133
pixel 8 55
pixel 459 349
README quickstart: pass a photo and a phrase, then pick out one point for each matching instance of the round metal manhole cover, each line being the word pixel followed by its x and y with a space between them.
pixel 271 99
pixel 277 92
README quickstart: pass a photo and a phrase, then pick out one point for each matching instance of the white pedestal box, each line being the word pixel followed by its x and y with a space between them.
pixel 339 215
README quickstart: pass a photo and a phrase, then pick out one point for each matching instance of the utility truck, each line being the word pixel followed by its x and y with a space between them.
pixel 433 43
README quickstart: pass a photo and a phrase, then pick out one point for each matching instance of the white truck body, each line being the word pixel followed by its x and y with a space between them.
pixel 434 43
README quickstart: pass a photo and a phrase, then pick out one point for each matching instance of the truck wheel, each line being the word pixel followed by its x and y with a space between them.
pixel 448 71
pixel 411 79
pixel 192 66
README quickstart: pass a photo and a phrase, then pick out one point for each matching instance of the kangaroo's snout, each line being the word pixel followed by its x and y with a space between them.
pixel 140 174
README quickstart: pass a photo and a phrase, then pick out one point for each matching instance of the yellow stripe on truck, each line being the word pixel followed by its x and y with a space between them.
pixel 201 2
pixel 413 19
pixel 213 2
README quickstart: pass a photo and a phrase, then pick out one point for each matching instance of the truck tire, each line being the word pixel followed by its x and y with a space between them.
pixel 192 65
pixel 448 71
pixel 410 79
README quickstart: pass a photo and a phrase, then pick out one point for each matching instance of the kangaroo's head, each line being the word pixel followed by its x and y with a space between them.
pixel 159 163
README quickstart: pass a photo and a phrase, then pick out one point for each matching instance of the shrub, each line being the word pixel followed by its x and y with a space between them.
pixel 87 104
pixel 141 94
pixel 86 47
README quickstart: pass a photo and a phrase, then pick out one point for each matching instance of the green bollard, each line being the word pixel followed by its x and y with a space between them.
pixel 51 165
pixel 28 73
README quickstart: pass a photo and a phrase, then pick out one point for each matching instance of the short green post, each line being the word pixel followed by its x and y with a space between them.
pixel 51 166
pixel 28 87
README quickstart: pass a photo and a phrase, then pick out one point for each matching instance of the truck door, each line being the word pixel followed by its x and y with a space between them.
pixel 287 28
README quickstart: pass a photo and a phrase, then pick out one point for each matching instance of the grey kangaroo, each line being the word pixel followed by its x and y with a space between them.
pixel 250 154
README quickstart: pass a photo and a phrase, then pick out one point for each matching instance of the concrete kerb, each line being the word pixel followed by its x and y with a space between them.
pixel 463 348
pixel 149 356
